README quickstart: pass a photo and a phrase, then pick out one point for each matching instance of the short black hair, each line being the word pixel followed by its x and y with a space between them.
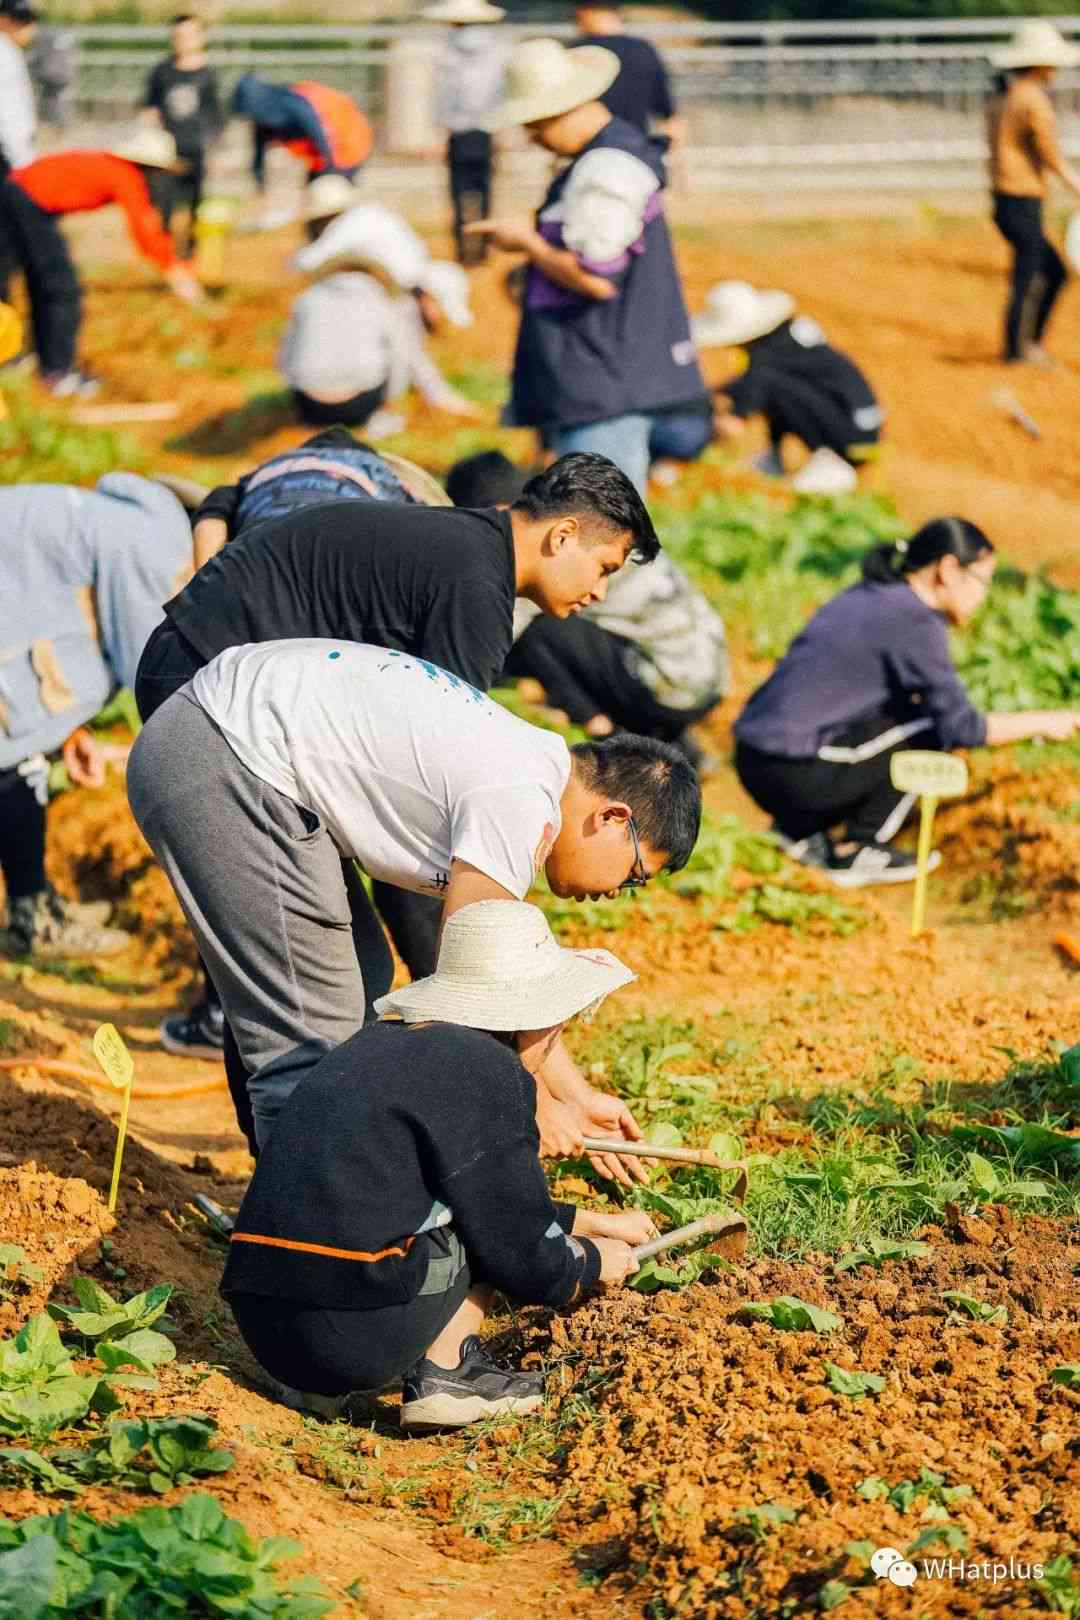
pixel 589 485
pixel 183 17
pixel 656 780
pixel 487 479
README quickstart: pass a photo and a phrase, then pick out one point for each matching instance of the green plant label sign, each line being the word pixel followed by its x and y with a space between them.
pixel 113 1055
pixel 922 771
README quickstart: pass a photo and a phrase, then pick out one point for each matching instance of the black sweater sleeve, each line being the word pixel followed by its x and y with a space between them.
pixel 221 503
pixel 513 1233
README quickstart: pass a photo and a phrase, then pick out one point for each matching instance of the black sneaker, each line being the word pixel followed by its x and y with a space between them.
pixel 814 850
pixel 198 1033
pixel 447 1398
pixel 875 863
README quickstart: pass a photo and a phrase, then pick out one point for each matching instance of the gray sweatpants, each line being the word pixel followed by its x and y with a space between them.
pixel 262 889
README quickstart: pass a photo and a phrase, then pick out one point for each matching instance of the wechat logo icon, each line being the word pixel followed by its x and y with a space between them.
pixel 888 1564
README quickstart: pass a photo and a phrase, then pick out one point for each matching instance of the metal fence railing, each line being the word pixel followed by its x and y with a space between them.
pixel 795 87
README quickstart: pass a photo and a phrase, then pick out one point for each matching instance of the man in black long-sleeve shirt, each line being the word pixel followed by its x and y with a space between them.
pixel 402 1183
pixel 439 583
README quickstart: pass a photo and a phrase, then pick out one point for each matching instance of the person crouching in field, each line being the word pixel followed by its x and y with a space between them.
pixel 357 336
pixel 797 381
pixel 403 1185
pixel 1024 151
pixel 870 674
pixel 31 200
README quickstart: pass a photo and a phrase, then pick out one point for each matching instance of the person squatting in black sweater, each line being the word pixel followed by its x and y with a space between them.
pixel 872 673
pixel 402 1185
pixel 798 382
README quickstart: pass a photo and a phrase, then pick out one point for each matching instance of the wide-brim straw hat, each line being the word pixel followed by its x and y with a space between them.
pixel 153 148
pixel 500 968
pixel 463 11
pixel 420 484
pixel 737 313
pixel 330 194
pixel 1036 43
pixel 544 78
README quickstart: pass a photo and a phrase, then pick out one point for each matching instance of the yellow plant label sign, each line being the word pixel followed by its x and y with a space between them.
pixel 113 1055
pixel 923 771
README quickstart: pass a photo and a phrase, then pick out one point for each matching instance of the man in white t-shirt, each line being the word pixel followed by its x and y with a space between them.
pixel 294 754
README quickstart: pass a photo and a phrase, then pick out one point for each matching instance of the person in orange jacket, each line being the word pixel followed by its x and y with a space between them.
pixel 32 198
pixel 324 128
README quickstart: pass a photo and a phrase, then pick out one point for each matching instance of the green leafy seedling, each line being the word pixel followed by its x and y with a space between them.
pixel 953 1537
pixel 792 1315
pixel 16 1270
pixel 980 1310
pixel 853 1384
pixel 1067 1375
pixel 878 1250
pixel 755 1523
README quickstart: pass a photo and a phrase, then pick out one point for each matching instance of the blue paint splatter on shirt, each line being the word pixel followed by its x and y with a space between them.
pixel 334 655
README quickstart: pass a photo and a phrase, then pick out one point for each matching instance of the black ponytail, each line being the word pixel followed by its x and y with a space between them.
pixel 941 537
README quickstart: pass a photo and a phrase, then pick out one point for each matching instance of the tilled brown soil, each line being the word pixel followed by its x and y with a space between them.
pixel 701 1414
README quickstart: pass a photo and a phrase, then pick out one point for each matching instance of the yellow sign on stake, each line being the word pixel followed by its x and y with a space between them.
pixel 932 776
pixel 119 1067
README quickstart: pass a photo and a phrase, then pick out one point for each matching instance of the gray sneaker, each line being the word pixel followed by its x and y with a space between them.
pixel 447 1398
pixel 40 925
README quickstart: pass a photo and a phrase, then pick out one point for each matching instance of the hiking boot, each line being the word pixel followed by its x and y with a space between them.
pixel 70 384
pixel 198 1033
pixel 40 925
pixel 447 1398
pixel 874 863
pixel 814 850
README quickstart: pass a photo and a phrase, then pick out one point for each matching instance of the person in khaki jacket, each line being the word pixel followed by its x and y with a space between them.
pixel 1024 152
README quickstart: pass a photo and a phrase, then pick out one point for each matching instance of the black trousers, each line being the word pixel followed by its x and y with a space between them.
pixel 184 190
pixel 806 796
pixel 791 405
pixel 587 670
pixel 330 1352
pixel 469 157
pixel 23 798
pixel 352 412
pixel 1038 273
pixel 168 662
pixel 34 243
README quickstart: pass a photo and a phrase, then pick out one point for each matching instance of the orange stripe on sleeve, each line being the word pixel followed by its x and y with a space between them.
pixel 321 1248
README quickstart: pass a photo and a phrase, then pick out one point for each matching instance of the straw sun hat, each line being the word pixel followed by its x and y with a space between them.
pixel 500 969
pixel 463 11
pixel 153 148
pixel 329 194
pixel 737 313
pixel 544 79
pixel 1036 43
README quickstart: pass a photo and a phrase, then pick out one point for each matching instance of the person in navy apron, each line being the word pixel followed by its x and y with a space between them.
pixel 604 344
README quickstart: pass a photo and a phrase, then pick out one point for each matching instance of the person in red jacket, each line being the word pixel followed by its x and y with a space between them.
pixel 322 127
pixel 31 200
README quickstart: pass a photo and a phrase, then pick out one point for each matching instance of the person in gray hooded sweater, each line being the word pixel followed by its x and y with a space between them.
pixel 83 574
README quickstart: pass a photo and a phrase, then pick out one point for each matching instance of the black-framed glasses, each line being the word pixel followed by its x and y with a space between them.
pixel 638 875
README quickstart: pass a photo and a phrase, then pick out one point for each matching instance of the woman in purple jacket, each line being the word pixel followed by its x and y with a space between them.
pixel 870 674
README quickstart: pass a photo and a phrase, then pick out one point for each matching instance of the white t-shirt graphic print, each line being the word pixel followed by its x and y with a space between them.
pixel 407 767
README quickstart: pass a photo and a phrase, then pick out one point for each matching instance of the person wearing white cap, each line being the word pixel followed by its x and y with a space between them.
pixel 469 85
pixel 403 1185
pixel 604 342
pixel 1024 152
pixel 351 345
pixel 31 200
pixel 798 382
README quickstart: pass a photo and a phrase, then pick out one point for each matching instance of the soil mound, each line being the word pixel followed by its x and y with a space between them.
pixel 702 1417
